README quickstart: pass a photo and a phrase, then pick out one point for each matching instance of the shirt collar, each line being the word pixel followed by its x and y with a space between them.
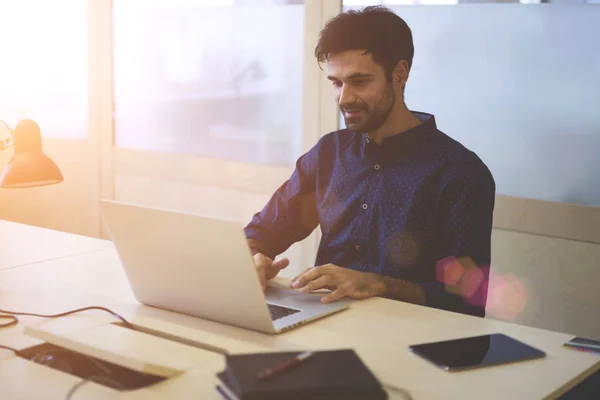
pixel 404 140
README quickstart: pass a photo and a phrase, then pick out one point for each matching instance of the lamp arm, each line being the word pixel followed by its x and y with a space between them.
pixel 5 143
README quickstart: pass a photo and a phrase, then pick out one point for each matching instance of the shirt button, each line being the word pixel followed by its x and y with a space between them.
pixel 364 206
pixel 358 248
pixel 377 167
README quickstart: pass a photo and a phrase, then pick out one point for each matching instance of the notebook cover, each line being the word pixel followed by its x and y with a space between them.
pixel 226 393
pixel 229 384
pixel 327 374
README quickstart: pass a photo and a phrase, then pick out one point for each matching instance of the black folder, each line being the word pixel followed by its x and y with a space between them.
pixel 332 375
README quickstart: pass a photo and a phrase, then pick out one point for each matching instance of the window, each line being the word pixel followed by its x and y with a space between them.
pixel 44 65
pixel 509 95
pixel 220 79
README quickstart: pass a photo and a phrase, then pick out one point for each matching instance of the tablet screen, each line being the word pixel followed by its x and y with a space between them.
pixel 476 352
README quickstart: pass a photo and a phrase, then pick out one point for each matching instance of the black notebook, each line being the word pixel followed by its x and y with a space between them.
pixel 332 375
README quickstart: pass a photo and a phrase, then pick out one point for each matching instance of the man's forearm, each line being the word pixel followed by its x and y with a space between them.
pixel 399 289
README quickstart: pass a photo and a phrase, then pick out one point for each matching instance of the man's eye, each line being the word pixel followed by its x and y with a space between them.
pixel 337 83
pixel 360 82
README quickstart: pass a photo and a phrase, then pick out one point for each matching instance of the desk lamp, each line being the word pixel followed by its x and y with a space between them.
pixel 29 167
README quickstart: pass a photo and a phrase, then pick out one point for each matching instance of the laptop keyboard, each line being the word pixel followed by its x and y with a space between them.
pixel 280 311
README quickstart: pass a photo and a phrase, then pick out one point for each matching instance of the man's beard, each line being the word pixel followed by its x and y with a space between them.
pixel 373 120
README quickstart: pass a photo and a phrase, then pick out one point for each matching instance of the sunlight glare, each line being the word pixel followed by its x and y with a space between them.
pixel 44 68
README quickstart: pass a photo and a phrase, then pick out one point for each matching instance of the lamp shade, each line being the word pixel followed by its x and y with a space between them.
pixel 29 167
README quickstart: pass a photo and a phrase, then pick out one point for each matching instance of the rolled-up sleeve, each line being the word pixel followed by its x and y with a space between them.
pixel 466 205
pixel 290 215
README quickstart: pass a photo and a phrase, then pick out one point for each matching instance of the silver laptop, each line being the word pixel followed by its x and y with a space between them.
pixel 203 267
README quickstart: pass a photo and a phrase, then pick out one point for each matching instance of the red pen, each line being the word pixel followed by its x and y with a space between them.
pixel 285 365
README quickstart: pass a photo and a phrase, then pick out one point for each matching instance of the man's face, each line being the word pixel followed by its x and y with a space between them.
pixel 364 95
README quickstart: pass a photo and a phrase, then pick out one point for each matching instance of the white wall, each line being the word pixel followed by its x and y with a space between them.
pixel 545 282
pixel 520 85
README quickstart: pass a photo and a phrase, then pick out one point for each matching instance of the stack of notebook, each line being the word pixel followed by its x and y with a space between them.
pixel 332 375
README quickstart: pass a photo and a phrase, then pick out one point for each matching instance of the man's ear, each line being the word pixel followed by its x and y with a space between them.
pixel 401 72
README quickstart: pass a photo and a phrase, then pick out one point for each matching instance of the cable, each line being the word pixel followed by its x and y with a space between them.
pixel 17 352
pixel 98 379
pixel 44 358
pixel 14 320
pixel 40 358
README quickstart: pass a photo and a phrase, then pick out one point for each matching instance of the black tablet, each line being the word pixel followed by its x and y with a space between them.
pixel 476 352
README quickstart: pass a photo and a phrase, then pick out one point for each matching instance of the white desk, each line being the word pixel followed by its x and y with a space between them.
pixel 22 244
pixel 378 329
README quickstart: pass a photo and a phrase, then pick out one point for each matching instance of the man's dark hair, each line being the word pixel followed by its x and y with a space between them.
pixel 375 29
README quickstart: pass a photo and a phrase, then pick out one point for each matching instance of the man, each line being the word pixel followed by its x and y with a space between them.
pixel 405 211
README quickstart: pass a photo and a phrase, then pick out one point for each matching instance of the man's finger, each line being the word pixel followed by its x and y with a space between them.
pixel 302 280
pixel 261 277
pixel 299 275
pixel 335 295
pixel 281 264
pixel 261 261
pixel 319 283
pixel 273 269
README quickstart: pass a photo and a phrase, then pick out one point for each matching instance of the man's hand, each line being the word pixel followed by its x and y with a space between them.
pixel 267 268
pixel 342 281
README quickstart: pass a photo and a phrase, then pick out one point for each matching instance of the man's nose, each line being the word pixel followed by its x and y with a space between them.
pixel 347 96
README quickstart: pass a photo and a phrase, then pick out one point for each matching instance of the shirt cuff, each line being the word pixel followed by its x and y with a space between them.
pixel 436 296
pixel 261 246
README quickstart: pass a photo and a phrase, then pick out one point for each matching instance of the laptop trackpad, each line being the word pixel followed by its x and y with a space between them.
pixel 291 298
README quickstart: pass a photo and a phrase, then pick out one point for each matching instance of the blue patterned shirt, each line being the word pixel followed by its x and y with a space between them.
pixel 416 207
